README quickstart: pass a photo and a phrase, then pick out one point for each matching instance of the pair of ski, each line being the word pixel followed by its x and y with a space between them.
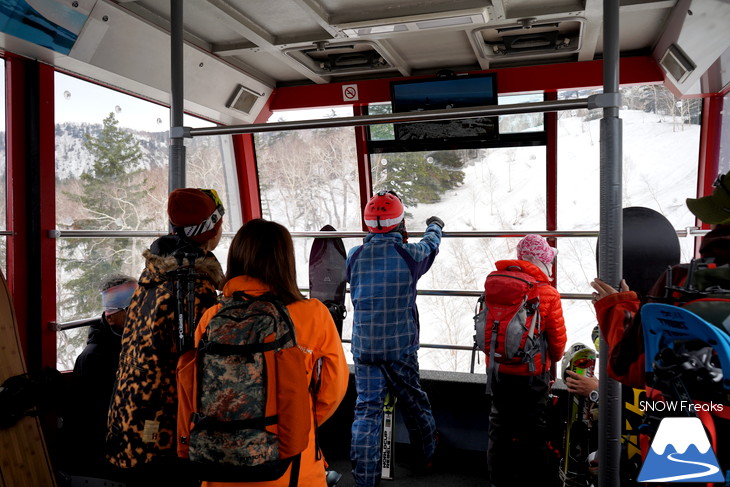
pixel 327 282
pixel 581 360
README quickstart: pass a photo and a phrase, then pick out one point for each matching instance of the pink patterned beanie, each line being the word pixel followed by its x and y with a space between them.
pixel 536 246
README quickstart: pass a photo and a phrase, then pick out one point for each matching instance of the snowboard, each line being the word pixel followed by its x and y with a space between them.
pixel 327 275
pixel 24 458
pixel 574 469
pixel 388 438
pixel 650 247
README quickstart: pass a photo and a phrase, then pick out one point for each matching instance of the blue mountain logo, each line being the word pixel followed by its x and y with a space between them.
pixel 681 452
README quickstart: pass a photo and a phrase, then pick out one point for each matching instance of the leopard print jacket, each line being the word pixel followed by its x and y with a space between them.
pixel 143 410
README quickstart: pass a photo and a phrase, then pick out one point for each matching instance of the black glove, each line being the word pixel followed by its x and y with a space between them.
pixel 434 219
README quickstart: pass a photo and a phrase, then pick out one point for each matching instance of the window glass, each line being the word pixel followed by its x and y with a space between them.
pixel 498 189
pixel 308 178
pixel 660 152
pixel 210 163
pixel 71 342
pixel 487 190
pixel 92 123
pixel 112 176
pixel 381 131
pixel 521 122
pixel 660 155
pixel 447 320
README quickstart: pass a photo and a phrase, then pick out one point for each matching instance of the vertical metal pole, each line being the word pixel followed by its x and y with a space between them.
pixel 364 168
pixel 177 146
pixel 610 250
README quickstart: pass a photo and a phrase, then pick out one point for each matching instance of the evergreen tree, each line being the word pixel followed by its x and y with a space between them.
pixel 381 131
pixel 110 194
pixel 419 177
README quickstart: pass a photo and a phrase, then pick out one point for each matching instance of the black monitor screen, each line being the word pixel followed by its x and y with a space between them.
pixel 441 93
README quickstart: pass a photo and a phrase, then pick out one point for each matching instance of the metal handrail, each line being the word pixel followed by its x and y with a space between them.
pixel 694 231
pixel 70 325
pixel 56 326
pixel 433 345
pixel 426 115
pixel 468 293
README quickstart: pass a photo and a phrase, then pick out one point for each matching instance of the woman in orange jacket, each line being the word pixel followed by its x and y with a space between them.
pixel 260 260
pixel 517 421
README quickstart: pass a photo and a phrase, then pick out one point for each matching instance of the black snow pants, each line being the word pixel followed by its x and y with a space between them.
pixel 517 452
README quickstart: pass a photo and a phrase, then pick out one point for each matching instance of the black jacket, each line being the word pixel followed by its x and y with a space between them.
pixel 92 384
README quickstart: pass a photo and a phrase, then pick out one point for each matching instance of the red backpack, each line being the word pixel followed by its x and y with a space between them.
pixel 508 326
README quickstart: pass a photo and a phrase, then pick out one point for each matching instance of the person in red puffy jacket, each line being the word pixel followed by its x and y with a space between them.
pixel 517 422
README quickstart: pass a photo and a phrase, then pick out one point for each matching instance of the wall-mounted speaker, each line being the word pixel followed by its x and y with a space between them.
pixel 243 99
pixel 677 64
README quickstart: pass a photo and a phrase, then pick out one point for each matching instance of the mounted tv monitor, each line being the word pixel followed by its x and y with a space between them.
pixel 441 93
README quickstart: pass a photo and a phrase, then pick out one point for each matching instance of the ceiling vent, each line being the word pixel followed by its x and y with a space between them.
pixel 354 57
pixel 411 23
pixel 529 37
pixel 243 99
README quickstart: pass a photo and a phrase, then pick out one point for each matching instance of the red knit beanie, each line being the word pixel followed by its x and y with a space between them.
pixel 195 214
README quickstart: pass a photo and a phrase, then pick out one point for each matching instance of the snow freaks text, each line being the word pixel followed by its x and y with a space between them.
pixel 679 406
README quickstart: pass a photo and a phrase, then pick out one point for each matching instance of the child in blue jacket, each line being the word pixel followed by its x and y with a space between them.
pixel 383 273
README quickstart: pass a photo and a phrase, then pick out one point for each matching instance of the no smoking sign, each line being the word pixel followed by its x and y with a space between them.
pixel 349 93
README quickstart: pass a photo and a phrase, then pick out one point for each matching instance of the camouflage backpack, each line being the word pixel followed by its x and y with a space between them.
pixel 243 406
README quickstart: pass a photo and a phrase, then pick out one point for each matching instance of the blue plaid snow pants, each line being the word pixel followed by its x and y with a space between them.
pixel 372 382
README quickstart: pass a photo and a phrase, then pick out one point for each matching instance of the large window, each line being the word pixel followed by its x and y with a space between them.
pixel 112 177
pixel 498 189
pixel 660 159
pixel 504 189
pixel 308 179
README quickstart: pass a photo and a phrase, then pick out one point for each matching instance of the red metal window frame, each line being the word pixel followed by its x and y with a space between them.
pixel 26 287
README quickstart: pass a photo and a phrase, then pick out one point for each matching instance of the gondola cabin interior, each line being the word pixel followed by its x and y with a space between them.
pixel 487 113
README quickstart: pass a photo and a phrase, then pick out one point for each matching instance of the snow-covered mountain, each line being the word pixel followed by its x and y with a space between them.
pixel 72 158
